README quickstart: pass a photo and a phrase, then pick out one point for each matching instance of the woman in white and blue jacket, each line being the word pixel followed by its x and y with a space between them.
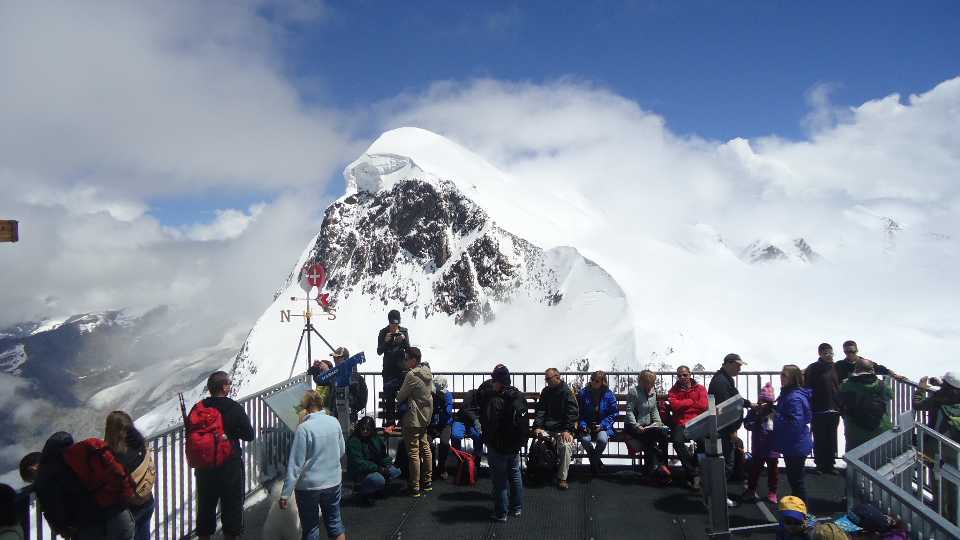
pixel 598 412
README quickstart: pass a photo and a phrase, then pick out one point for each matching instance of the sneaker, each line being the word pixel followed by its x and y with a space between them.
pixel 415 493
pixel 562 485
pixel 427 486
pixel 500 519
pixel 517 512
pixel 730 503
pixel 772 497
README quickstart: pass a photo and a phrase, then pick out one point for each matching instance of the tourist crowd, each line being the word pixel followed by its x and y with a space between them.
pixel 102 488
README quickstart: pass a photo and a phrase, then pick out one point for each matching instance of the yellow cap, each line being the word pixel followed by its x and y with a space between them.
pixel 792 503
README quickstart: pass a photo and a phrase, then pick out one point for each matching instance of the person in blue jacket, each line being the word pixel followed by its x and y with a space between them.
pixel 441 425
pixel 791 426
pixel 598 412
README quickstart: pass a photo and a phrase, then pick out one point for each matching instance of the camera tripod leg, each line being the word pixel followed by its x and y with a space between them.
pixel 297 354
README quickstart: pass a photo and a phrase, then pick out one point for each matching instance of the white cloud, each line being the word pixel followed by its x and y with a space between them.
pixel 146 99
pixel 229 223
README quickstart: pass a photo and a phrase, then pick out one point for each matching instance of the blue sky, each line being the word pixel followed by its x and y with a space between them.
pixel 712 69
pixel 715 69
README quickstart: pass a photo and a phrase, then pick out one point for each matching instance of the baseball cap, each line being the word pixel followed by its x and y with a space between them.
pixel 733 357
pixel 340 352
pixel 793 507
pixel 952 378
pixel 393 317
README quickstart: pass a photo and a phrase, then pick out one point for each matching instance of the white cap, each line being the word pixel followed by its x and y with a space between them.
pixel 952 378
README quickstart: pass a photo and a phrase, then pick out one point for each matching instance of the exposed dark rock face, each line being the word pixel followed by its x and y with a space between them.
pixel 430 249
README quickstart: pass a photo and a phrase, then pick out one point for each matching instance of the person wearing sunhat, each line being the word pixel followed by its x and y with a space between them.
pixel 392 342
pixel 793 519
pixel 723 386
pixel 943 404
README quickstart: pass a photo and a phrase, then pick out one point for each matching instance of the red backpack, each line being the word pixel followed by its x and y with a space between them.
pixel 207 443
pixel 100 472
pixel 466 469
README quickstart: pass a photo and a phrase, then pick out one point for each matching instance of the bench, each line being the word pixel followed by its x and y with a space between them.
pixel 615 449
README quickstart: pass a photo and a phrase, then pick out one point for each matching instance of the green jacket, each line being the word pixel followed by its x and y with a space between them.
pixel 365 456
pixel 865 405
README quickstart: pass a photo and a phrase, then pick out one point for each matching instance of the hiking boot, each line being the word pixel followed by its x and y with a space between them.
pixel 772 497
pixel 415 493
pixel 517 512
pixel 427 486
pixel 499 519
pixel 562 485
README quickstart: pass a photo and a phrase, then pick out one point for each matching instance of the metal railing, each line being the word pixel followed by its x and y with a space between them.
pixel 910 472
pixel 175 491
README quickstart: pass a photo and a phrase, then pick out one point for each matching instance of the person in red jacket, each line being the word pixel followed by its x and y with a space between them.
pixel 686 400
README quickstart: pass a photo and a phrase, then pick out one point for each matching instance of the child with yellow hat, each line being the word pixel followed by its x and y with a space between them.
pixel 793 519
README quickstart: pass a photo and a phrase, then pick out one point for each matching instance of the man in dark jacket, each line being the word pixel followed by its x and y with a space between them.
pixel 822 379
pixel 846 367
pixel 392 342
pixel 503 415
pixel 556 419
pixel 723 386
pixel 223 484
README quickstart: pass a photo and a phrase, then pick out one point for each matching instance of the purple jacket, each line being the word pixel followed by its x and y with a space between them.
pixel 761 436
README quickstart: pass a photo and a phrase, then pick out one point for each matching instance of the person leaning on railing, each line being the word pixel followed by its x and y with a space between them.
pixel 943 403
pixel 864 404
pixel 556 419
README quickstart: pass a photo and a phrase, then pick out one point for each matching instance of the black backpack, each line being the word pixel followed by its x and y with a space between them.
pixel 542 461
pixel 514 424
pixel 869 409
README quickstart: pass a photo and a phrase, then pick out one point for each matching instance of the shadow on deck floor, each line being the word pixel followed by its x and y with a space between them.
pixel 613 506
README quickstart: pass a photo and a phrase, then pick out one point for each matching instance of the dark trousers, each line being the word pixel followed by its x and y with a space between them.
pixel 649 442
pixel 794 466
pixel 390 388
pixel 773 473
pixel 689 462
pixel 222 485
pixel 824 427
pixel 729 454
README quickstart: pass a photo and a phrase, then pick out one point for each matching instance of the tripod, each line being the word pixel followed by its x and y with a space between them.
pixel 308 331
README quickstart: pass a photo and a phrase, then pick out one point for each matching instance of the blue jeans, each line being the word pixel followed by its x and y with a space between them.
pixel 310 503
pixel 507 482
pixel 375 482
pixel 141 521
pixel 594 444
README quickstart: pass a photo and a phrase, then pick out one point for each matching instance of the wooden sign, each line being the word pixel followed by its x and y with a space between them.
pixel 8 231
